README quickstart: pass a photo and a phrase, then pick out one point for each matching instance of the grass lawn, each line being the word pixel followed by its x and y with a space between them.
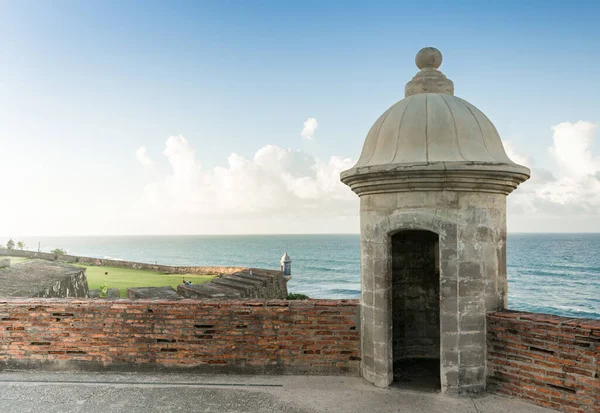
pixel 124 278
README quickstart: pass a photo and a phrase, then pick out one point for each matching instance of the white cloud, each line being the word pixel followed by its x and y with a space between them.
pixel 309 129
pixel 577 186
pixel 275 182
pixel 571 149
pixel 572 200
pixel 142 156
pixel 521 159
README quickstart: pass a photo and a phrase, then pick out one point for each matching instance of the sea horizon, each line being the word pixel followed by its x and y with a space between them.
pixel 257 234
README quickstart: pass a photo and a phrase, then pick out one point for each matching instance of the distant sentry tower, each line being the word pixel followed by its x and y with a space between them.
pixel 432 179
pixel 286 265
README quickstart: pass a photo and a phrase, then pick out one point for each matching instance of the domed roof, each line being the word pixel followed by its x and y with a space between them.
pixel 433 130
pixel 432 127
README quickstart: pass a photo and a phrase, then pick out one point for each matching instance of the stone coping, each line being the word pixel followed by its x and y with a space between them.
pixel 436 176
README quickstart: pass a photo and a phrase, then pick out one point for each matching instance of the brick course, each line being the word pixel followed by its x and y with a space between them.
pixel 548 360
pixel 249 336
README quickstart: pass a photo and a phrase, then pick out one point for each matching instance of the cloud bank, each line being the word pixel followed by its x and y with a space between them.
pixel 274 182
pixel 569 198
pixel 287 187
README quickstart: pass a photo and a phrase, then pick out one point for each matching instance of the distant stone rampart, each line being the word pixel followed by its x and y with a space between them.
pixel 231 283
pixel 168 269
pixel 250 283
pixel 44 279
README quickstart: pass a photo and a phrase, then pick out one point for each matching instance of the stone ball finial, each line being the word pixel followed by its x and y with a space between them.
pixel 428 58
pixel 429 79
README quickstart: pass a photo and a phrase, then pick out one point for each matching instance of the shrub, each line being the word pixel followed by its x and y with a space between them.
pixel 104 291
pixel 293 296
pixel 58 251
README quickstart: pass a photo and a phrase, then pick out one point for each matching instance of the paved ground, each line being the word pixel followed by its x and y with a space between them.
pixel 22 392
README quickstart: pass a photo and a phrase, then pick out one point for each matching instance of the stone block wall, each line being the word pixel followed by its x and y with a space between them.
pixel 471 228
pixel 74 284
pixel 548 360
pixel 415 295
pixel 44 279
pixel 251 283
pixel 233 336
pixel 151 293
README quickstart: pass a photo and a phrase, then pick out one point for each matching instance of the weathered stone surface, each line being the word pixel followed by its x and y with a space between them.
pixel 38 278
pixel 207 290
pixel 432 168
pixel 163 293
pixel 415 295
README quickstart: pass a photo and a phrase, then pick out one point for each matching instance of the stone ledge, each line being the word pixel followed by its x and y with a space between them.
pixel 436 176
pixel 164 293
pixel 243 369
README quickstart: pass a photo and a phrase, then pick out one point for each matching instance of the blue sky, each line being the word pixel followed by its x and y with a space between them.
pixel 83 85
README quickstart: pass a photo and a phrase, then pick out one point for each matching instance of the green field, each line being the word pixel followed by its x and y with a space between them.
pixel 124 278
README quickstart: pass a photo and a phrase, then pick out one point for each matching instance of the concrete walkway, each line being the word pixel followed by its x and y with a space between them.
pixel 32 392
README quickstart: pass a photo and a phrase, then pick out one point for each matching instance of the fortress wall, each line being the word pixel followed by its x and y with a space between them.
pixel 233 336
pixel 204 270
pixel 548 360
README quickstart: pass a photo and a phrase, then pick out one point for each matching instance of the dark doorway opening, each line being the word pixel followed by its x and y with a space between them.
pixel 416 309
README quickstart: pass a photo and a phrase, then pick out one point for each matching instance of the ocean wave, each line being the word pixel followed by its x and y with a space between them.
pixel 340 291
pixel 106 257
pixel 546 272
pixel 322 269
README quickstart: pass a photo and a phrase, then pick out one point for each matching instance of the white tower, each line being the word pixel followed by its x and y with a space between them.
pixel 286 265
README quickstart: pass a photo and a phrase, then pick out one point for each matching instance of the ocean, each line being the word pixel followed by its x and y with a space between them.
pixel 547 273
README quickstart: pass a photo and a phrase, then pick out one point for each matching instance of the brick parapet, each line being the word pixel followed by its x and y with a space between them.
pixel 548 360
pixel 233 336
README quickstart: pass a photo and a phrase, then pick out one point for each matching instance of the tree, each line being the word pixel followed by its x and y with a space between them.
pixel 21 245
pixel 10 244
pixel 58 251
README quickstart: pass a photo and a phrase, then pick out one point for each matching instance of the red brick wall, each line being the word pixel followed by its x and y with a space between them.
pixel 548 360
pixel 313 336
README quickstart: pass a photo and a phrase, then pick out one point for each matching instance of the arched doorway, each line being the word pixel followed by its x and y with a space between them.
pixel 416 309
